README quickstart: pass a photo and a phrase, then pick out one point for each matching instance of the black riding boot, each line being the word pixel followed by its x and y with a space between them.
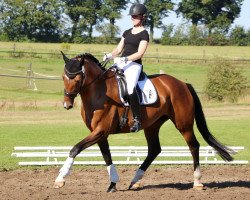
pixel 136 110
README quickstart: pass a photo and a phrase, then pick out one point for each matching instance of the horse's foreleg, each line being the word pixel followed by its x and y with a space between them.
pixel 64 171
pixel 91 139
pixel 154 148
pixel 113 175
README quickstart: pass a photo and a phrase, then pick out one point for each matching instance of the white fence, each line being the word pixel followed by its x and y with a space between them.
pixel 127 155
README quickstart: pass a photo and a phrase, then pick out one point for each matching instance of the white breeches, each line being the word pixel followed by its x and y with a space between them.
pixel 132 72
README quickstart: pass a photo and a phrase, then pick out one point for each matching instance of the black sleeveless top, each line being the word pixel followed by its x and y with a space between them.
pixel 132 41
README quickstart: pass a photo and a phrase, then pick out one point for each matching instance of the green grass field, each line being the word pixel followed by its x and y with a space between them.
pixel 29 117
pixel 61 127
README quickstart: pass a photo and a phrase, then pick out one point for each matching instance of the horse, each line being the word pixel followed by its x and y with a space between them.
pixel 101 110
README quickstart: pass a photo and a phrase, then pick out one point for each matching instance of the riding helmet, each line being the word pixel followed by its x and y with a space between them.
pixel 138 9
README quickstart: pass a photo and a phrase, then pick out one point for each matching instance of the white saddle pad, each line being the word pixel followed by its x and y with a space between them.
pixel 146 91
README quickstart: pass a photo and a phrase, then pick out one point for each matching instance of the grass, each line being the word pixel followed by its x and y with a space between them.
pixel 16 89
pixel 29 117
pixel 65 128
pixel 231 52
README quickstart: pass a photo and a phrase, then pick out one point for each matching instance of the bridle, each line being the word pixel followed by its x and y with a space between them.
pixel 73 94
pixel 68 74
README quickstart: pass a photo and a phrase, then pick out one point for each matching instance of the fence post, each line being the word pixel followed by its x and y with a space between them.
pixel 157 51
pixel 204 55
pixel 30 78
pixel 14 49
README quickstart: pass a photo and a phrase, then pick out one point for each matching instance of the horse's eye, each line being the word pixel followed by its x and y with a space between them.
pixel 78 78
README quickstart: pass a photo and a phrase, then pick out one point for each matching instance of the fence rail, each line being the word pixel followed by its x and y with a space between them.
pixel 152 55
pixel 30 77
pixel 127 155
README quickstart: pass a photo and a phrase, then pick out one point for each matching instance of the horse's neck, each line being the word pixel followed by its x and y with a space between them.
pixel 98 100
pixel 92 72
pixel 93 82
pixel 99 90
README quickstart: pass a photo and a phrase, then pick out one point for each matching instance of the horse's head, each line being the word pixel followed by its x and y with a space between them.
pixel 73 79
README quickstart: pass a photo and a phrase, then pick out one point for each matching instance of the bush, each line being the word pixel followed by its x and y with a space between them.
pixel 225 82
pixel 238 36
pixel 65 46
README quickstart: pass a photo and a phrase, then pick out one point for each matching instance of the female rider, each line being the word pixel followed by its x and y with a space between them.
pixel 132 46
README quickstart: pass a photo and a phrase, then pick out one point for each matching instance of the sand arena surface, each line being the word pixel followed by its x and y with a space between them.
pixel 159 182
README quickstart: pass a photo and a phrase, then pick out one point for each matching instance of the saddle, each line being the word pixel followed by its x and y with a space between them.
pixel 145 89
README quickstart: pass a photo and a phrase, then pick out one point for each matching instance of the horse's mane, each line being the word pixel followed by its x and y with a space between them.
pixel 91 57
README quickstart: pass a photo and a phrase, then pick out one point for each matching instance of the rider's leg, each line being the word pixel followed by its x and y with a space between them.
pixel 132 72
pixel 136 110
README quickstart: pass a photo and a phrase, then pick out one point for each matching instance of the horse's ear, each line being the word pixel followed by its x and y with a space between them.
pixel 66 60
pixel 82 61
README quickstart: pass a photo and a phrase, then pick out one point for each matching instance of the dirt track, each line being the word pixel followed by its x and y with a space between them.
pixel 222 182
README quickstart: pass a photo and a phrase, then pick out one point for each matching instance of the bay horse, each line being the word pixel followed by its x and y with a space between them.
pixel 101 110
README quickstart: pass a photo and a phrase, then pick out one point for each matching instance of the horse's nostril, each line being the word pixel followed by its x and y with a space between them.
pixel 69 107
pixel 66 106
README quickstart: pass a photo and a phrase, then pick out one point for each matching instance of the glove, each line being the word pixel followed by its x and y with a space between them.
pixel 120 60
pixel 107 57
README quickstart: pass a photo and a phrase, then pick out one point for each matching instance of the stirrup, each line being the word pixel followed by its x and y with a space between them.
pixel 136 126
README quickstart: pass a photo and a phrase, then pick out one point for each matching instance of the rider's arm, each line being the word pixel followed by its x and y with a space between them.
pixel 141 50
pixel 118 49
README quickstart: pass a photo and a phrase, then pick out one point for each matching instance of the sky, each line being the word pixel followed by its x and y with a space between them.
pixel 243 20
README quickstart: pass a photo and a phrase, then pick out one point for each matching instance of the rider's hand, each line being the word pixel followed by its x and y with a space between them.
pixel 120 60
pixel 107 57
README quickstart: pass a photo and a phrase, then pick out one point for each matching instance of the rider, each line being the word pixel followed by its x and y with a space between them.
pixel 132 46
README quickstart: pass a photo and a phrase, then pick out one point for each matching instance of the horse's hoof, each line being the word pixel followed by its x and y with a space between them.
pixel 112 188
pixel 199 187
pixel 58 184
pixel 135 186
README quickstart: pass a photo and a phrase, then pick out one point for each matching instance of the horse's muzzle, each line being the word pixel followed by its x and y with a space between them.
pixel 67 105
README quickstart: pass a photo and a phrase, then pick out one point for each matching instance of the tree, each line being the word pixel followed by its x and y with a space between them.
pixel 215 14
pixel 180 36
pixel 238 36
pixel 157 10
pixel 84 14
pixel 106 30
pixel 192 10
pixel 167 34
pixel 92 15
pixel 197 35
pixel 111 10
pixel 248 37
pixel 32 20
pixel 219 15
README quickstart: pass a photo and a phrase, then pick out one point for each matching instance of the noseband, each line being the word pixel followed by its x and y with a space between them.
pixel 71 95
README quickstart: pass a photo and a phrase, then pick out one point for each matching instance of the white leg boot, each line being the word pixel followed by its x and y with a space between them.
pixel 64 171
pixel 135 184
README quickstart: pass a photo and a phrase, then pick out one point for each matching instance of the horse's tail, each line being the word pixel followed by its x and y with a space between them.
pixel 201 124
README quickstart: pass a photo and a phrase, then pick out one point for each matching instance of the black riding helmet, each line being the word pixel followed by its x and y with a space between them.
pixel 138 9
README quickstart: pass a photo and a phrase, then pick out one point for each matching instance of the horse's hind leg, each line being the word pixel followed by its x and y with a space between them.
pixel 113 175
pixel 194 148
pixel 154 148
